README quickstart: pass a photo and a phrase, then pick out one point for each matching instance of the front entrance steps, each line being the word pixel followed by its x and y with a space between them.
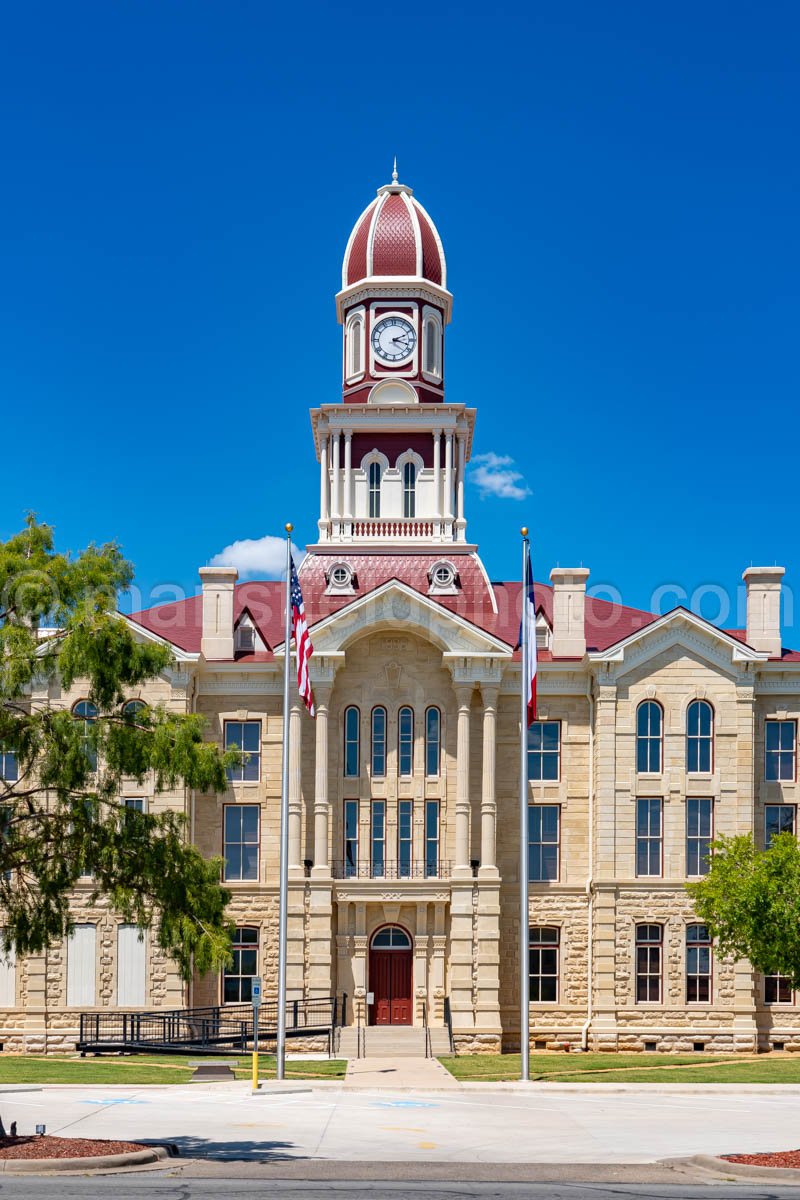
pixel 392 1041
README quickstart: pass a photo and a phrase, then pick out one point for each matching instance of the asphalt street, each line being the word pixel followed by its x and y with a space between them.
pixel 160 1188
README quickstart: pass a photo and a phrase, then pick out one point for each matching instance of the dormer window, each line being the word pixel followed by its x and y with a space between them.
pixel 245 637
pixel 443 578
pixel 340 579
pixel 544 634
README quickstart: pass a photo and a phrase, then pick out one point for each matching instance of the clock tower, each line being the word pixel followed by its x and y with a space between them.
pixel 393 454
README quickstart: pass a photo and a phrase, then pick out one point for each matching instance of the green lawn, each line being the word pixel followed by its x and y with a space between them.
pixel 150 1068
pixel 629 1068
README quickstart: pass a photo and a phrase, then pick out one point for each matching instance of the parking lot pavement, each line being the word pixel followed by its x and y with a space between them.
pixel 227 1122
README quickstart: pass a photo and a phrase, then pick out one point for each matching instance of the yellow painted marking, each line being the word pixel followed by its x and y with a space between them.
pixel 402 1128
pixel 427 1146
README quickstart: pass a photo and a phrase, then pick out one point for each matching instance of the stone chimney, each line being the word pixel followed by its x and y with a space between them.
pixel 218 584
pixel 764 608
pixel 569 606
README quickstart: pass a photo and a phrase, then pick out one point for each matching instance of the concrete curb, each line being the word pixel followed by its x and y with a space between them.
pixel 99 1162
pixel 721 1166
pixel 20 1087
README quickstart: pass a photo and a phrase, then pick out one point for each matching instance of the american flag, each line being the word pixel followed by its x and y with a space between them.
pixel 302 641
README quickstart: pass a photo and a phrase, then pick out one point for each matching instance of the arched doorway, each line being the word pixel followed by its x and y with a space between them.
pixel 390 963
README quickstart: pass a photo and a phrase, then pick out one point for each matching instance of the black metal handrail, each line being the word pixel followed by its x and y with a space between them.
pixel 448 1020
pixel 193 1028
pixel 365 869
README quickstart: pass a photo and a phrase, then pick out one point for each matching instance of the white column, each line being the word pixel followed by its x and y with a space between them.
pixel 337 481
pixel 295 786
pixel 448 476
pixel 348 477
pixel 324 481
pixel 462 456
pixel 322 694
pixel 463 698
pixel 489 693
pixel 437 473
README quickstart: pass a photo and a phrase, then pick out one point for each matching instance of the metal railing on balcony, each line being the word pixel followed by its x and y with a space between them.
pixel 366 869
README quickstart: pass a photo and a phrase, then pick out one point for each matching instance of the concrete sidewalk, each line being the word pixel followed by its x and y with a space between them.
pixel 423 1074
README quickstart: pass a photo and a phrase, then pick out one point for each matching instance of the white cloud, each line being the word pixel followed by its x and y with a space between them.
pixel 492 475
pixel 261 558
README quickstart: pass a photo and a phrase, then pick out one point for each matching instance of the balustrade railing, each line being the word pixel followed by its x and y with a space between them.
pixel 344 869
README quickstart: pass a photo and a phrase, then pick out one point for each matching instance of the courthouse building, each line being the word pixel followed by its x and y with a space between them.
pixel 654 734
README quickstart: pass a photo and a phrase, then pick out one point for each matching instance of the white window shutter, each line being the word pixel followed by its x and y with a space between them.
pixel 131 967
pixel 82 966
pixel 8 978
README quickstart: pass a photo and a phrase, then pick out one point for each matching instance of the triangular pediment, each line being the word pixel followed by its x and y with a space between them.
pixel 395 606
pixel 679 627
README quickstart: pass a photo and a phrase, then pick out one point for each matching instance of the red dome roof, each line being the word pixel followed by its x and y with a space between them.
pixel 394 238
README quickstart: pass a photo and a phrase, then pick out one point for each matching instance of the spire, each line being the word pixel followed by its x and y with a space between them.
pixel 394 170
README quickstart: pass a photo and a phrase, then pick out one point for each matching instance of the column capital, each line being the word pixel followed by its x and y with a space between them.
pixel 490 690
pixel 463 693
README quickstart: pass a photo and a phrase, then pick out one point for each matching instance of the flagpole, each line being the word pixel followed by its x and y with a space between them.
pixel 280 1048
pixel 524 978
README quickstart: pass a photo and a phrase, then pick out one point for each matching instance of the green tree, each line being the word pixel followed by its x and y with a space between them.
pixel 750 901
pixel 61 813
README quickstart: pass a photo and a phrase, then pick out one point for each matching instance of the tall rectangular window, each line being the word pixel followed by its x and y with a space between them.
pixel 780 739
pixel 698 965
pixel 648 835
pixel 244 738
pixel 409 489
pixel 241 842
pixel 699 833
pixel 700 737
pixel 9 771
pixel 432 838
pixel 82 966
pixel 405 835
pixel 352 754
pixel 405 742
pixel 433 739
pixel 374 489
pixel 8 977
pixel 648 963
pixel 544 751
pixel 378 838
pixel 378 743
pixel 131 966
pixel 544 824
pixel 543 963
pixel 777 989
pixel 778 818
pixel 237 983
pixel 350 838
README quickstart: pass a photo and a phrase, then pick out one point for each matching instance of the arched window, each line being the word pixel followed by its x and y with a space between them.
pixel 391 937
pixel 649 730
pixel 378 742
pixel 355 346
pixel 700 737
pixel 409 489
pixel 405 742
pixel 86 712
pixel 433 740
pixel 131 710
pixel 352 749
pixel 374 478
pixel 432 347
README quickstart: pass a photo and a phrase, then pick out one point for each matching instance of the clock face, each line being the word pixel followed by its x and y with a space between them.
pixel 394 339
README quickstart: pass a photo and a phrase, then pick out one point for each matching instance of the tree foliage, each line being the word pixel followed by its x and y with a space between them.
pixel 62 817
pixel 750 901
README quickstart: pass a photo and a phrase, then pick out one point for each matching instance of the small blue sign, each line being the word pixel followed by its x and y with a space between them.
pixel 255 994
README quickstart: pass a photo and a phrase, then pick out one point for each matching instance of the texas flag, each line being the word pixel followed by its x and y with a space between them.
pixel 529 617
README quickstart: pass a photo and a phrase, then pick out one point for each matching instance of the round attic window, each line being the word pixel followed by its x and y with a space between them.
pixel 341 575
pixel 444 575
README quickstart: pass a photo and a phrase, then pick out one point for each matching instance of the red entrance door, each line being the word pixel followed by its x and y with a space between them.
pixel 390 961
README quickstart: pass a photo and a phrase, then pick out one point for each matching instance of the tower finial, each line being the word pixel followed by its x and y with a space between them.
pixel 394 170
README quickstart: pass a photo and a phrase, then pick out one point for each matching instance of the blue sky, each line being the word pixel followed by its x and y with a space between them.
pixel 617 190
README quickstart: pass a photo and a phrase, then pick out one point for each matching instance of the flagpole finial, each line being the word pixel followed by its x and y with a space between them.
pixel 288 527
pixel 394 170
pixel 524 531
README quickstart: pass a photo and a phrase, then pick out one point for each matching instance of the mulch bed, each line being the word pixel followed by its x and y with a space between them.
pixel 57 1147
pixel 780 1158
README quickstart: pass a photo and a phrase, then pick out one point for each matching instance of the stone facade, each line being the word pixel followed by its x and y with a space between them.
pixel 418 829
